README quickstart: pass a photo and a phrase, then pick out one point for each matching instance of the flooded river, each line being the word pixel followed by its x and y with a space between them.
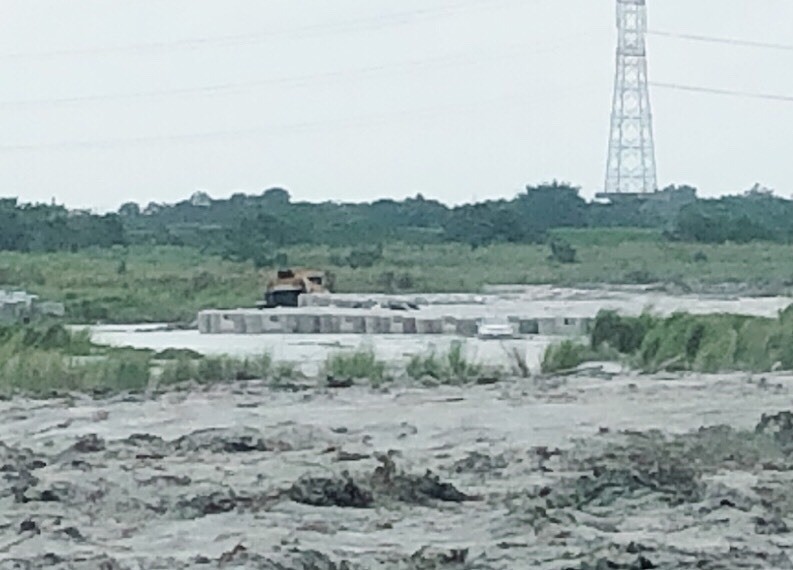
pixel 600 469
pixel 247 476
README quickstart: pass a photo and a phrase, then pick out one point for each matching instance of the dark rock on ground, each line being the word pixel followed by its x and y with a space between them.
pixel 331 492
pixel 779 426
pixel 432 559
pixel 29 525
pixel 477 462
pixel 772 524
pixel 641 563
pixel 222 441
pixel 212 504
pixel 388 481
pixel 89 444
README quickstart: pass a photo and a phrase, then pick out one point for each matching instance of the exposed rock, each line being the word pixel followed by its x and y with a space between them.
pixel 331 492
pixel 222 441
pixel 89 444
pixel 477 462
pixel 772 524
pixel 212 504
pixel 779 426
pixel 388 481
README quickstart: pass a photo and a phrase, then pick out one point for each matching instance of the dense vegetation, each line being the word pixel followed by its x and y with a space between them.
pixel 165 262
pixel 170 283
pixel 683 342
pixel 260 227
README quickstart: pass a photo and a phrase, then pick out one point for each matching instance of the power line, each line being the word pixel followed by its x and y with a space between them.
pixel 729 92
pixel 726 41
pixel 313 30
pixel 330 76
pixel 425 114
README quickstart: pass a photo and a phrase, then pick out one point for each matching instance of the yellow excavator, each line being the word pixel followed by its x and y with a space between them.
pixel 285 288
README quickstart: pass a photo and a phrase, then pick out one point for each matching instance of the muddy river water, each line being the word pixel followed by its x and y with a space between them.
pixel 551 473
pixel 600 469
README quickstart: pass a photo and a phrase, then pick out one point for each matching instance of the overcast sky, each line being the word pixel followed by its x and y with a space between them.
pixel 106 101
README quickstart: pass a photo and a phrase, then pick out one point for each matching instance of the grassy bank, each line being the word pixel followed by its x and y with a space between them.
pixel 683 342
pixel 48 360
pixel 172 284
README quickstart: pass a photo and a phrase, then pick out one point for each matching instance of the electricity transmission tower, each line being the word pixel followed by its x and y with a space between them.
pixel 631 159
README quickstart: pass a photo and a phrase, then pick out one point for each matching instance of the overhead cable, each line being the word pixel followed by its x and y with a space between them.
pixel 426 114
pixel 450 60
pixel 729 92
pixel 355 25
pixel 727 41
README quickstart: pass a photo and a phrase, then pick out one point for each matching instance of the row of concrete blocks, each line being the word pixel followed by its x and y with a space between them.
pixel 354 301
pixel 267 322
pixel 264 322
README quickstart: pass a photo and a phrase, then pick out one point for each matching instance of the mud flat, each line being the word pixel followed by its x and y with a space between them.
pixel 587 471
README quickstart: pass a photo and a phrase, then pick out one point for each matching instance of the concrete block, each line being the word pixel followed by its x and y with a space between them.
pixel 329 324
pixel 385 325
pixel 429 326
pixel 239 323
pixel 528 326
pixel 396 325
pixel 352 324
pixel 307 324
pixel 372 325
pixel 449 325
pixel 254 323
pixel 204 321
pixel 225 324
pixel 466 327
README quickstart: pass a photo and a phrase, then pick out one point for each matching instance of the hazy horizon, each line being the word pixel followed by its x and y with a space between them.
pixel 458 100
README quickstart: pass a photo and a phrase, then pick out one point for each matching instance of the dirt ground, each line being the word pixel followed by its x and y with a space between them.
pixel 588 471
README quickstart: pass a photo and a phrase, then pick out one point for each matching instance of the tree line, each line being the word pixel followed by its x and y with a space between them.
pixel 248 227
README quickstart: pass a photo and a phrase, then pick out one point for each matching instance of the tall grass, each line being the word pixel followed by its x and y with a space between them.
pixel 47 336
pixel 214 369
pixel 45 373
pixel 565 356
pixel 451 367
pixel 49 358
pixel 701 343
pixel 357 365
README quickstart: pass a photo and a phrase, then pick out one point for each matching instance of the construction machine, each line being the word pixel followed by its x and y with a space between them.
pixel 285 288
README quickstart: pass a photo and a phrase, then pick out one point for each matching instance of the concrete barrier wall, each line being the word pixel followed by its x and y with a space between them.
pixel 367 321
pixel 370 301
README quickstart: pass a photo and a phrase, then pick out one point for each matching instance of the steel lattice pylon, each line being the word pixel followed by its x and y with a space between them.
pixel 631 160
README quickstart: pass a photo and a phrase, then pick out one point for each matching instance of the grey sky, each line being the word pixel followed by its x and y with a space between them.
pixel 361 99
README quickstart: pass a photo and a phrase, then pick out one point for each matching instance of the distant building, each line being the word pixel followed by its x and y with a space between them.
pixel 662 204
pixel 201 200
pixel 22 307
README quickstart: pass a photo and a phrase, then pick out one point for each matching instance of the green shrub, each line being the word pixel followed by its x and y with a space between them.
pixel 562 252
pixel 428 365
pixel 704 343
pixel 178 371
pixel 45 373
pixel 361 364
pixel 453 367
pixel 212 369
pixel 624 334
pixel 564 356
pixel 52 336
